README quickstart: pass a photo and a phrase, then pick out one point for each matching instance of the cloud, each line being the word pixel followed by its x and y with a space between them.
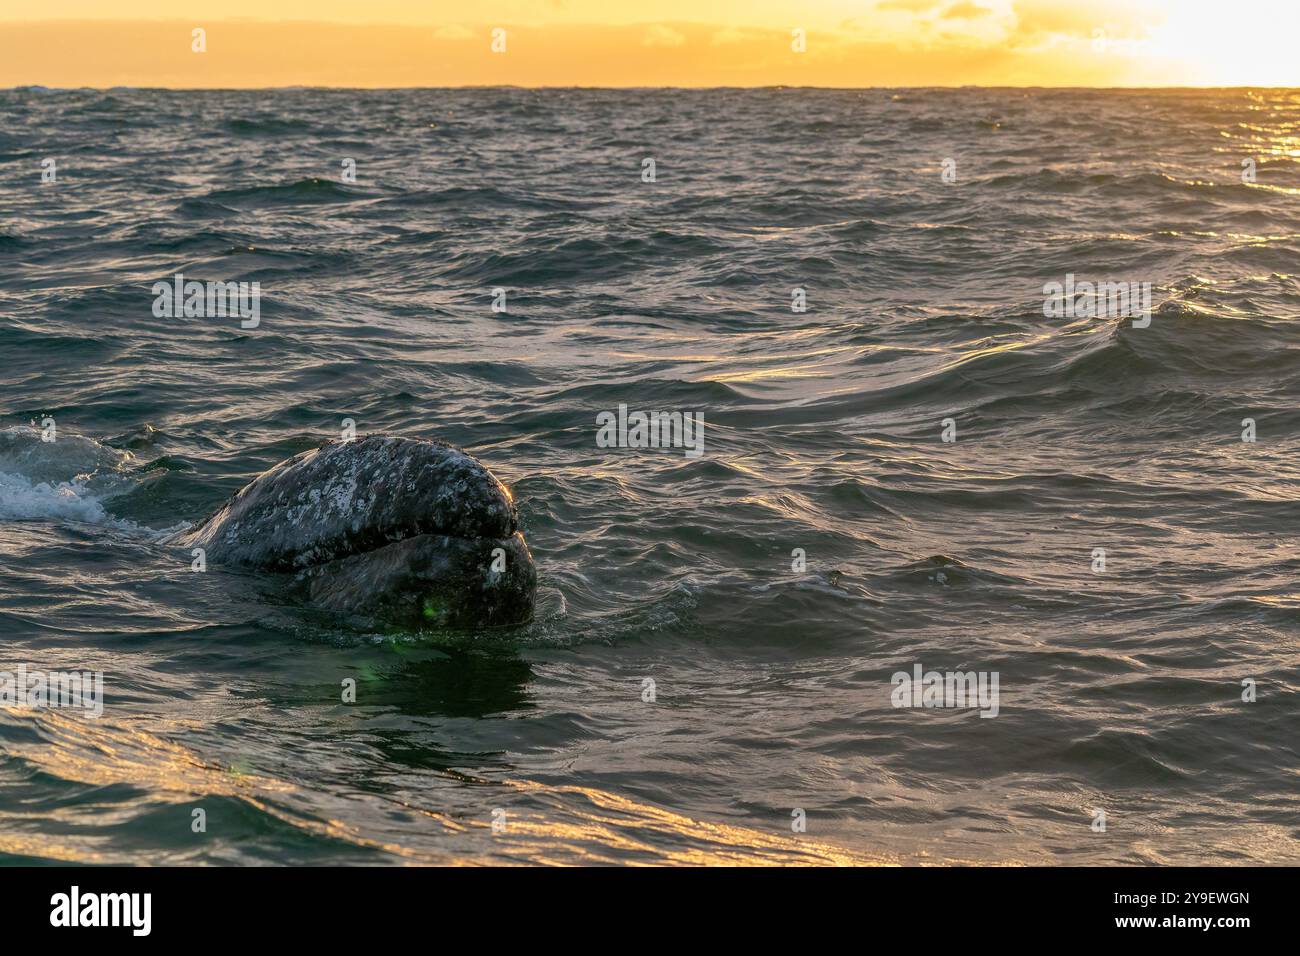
pixel 454 31
pixel 911 6
pixel 965 11
pixel 732 35
pixel 660 35
pixel 1036 19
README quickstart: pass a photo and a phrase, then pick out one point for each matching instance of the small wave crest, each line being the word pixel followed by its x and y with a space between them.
pixel 21 499
pixel 69 478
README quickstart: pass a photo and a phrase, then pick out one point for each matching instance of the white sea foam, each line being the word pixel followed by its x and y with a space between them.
pixel 68 479
pixel 21 498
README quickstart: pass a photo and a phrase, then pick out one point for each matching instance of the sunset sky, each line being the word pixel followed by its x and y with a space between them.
pixel 379 43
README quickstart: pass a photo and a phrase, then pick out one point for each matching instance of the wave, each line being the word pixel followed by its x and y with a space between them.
pixel 267 126
pixel 23 499
pixel 586 259
pixel 69 478
pixel 309 191
pixel 480 199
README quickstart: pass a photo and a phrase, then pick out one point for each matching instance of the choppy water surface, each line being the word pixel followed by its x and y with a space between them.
pixel 1120 690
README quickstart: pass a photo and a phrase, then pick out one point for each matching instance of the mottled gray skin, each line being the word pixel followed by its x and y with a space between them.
pixel 395 530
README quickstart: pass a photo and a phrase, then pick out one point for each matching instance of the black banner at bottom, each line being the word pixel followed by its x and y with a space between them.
pixel 304 904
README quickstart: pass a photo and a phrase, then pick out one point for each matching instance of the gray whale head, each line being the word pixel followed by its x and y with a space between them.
pixel 397 530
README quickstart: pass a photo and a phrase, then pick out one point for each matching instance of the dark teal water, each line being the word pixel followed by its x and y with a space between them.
pixel 1120 690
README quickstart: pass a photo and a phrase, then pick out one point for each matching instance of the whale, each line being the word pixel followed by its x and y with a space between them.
pixel 401 532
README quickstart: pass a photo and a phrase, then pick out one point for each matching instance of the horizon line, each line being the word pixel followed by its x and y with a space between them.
pixel 631 88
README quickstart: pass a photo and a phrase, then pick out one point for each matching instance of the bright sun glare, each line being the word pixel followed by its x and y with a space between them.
pixel 1226 44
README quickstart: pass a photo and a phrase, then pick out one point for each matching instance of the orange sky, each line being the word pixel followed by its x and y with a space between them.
pixel 257 43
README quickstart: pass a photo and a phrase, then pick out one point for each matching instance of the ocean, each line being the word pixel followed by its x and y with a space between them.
pixel 911 462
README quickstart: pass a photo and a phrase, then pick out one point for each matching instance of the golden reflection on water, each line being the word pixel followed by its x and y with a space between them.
pixel 565 825
pixel 102 753
pixel 601 827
